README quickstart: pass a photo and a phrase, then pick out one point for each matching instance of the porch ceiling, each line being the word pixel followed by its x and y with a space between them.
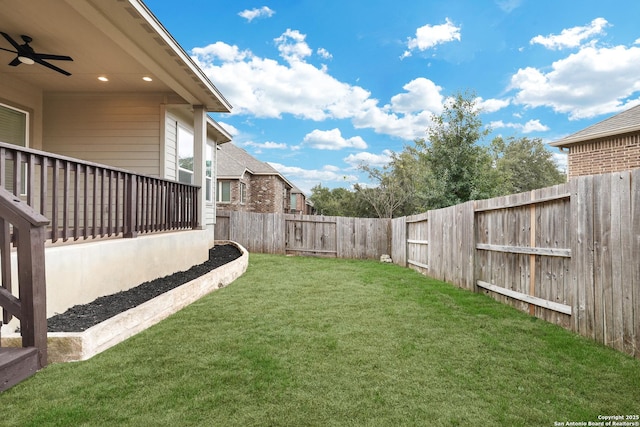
pixel 117 39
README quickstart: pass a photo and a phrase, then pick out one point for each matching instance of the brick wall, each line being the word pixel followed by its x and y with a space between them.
pixel 235 203
pixel 268 194
pixel 605 155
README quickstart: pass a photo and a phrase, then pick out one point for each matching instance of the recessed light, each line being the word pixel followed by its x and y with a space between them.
pixel 103 79
pixel 147 79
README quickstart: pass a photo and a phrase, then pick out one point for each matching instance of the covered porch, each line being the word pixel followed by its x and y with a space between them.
pixel 112 149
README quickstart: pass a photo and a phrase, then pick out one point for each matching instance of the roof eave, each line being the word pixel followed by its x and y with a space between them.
pixel 566 142
pixel 168 39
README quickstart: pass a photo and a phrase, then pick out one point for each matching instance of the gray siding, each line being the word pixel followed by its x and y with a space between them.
pixel 117 130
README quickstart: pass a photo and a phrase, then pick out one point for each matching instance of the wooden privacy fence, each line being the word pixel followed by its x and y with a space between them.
pixel 569 254
pixel 330 236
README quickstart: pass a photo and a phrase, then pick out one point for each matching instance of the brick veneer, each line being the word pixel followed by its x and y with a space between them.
pixel 605 155
pixel 267 193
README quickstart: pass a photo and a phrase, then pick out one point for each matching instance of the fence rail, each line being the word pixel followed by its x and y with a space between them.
pixel 84 199
pixel 568 254
pixel 330 236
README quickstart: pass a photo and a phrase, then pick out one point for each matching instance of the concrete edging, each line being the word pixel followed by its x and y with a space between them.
pixel 76 346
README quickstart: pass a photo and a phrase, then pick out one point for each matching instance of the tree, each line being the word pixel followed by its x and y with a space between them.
pixel 456 167
pixel 526 164
pixel 339 202
pixel 390 193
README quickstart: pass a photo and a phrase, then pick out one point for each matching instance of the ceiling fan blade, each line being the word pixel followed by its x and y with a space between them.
pixel 15 62
pixel 53 67
pixel 10 40
pixel 54 57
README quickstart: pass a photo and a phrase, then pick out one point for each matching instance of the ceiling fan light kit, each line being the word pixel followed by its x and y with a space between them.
pixel 26 55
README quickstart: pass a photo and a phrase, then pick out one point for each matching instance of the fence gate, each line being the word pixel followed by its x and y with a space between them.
pixel 306 236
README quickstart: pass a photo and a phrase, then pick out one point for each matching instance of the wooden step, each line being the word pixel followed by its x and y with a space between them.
pixel 16 365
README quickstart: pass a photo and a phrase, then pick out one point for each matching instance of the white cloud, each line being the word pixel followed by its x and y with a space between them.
pixel 266 88
pixel 233 131
pixel 292 46
pixel 491 105
pixel 571 37
pixel 528 127
pixel 376 160
pixel 268 145
pixel 422 94
pixel 429 36
pixel 305 179
pixel 585 84
pixel 220 51
pixel 508 6
pixel 561 159
pixel 324 53
pixel 332 140
pixel 250 15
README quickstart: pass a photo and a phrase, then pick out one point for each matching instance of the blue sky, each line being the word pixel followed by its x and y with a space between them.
pixel 320 86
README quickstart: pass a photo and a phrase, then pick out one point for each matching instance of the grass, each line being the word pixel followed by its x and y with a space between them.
pixel 325 342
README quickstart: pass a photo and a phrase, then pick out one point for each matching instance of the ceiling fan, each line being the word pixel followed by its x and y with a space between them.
pixel 26 54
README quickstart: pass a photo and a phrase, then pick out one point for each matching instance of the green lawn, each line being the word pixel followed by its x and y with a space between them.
pixel 325 342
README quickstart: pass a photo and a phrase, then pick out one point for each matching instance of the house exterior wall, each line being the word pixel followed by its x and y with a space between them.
pixel 122 131
pixel 18 95
pixel 235 203
pixel 613 154
pixel 300 206
pixel 268 193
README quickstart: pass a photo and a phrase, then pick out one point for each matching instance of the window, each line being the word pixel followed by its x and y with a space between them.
pixel 14 129
pixel 224 192
pixel 243 193
pixel 185 155
pixel 294 201
pixel 13 125
pixel 209 174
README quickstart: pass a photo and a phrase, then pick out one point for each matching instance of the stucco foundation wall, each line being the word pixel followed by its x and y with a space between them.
pixel 80 273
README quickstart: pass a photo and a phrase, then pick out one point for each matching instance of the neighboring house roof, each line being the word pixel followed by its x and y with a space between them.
pixel 120 40
pixel 234 161
pixel 625 122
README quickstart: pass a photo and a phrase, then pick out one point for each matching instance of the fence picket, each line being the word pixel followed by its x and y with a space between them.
pixel 570 250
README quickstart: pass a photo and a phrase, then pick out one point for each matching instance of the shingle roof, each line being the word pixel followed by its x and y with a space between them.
pixel 234 161
pixel 627 121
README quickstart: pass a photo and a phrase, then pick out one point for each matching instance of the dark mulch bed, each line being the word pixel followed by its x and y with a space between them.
pixel 81 317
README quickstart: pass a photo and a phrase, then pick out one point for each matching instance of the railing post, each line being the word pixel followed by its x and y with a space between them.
pixel 33 292
pixel 131 203
pixel 31 308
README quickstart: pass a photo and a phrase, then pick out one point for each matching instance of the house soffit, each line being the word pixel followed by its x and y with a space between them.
pixel 121 40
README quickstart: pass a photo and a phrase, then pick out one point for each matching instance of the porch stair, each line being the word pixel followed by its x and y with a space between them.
pixel 16 365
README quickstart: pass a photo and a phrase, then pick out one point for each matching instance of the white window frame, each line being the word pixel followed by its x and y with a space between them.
pixel 209 173
pixel 26 123
pixel 183 132
pixel 25 142
pixel 243 193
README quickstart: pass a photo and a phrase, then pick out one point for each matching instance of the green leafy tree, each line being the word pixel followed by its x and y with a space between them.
pixel 339 202
pixel 525 164
pixel 456 167
pixel 391 192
